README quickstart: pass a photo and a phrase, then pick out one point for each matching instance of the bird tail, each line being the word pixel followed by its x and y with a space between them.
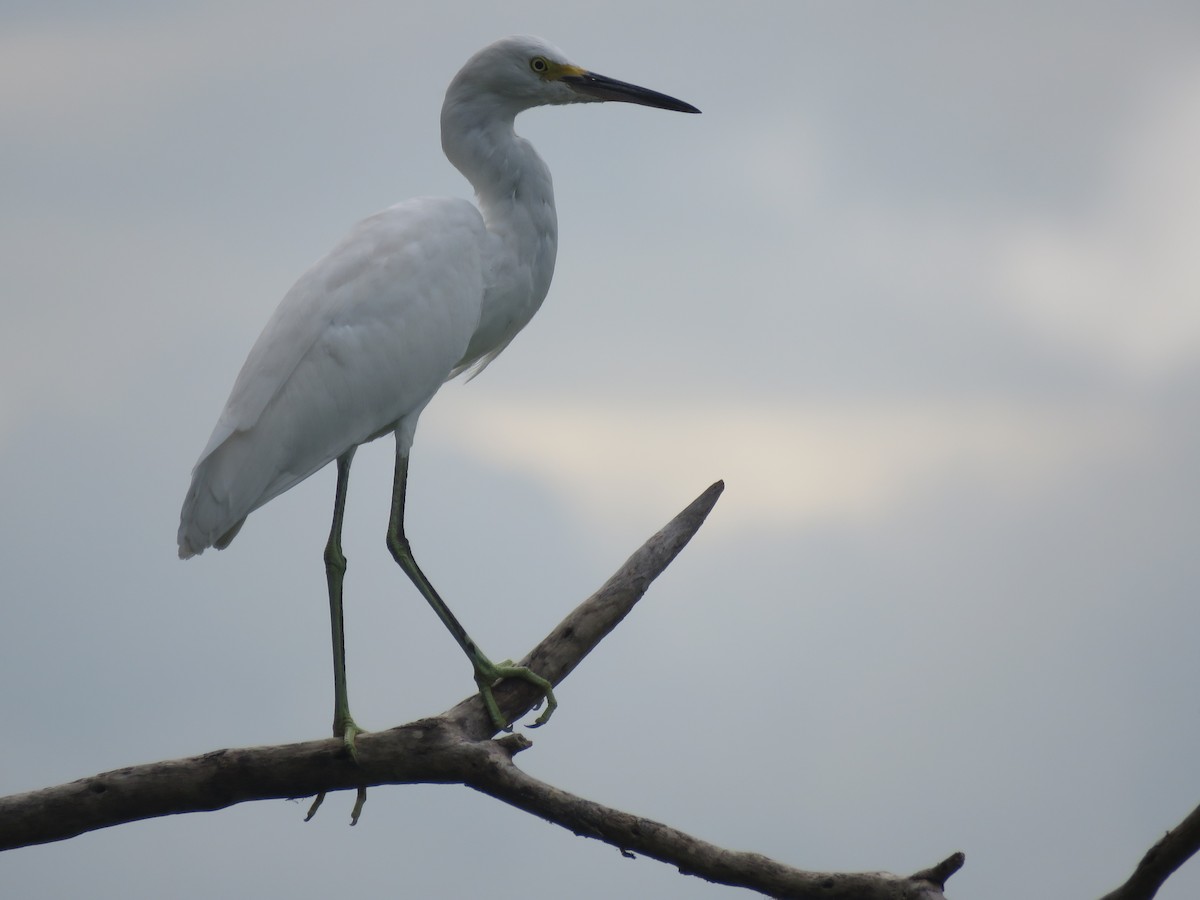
pixel 230 481
pixel 218 500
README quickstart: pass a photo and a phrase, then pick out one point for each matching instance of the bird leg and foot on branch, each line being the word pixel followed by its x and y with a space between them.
pixel 344 726
pixel 487 673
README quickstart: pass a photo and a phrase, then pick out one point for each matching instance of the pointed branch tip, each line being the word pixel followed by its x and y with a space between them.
pixel 708 499
pixel 939 874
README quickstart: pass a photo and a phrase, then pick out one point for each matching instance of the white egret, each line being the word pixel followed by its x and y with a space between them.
pixel 412 297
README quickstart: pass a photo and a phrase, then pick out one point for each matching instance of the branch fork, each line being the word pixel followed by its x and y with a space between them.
pixel 457 747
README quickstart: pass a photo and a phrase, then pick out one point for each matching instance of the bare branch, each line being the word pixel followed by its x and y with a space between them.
pixel 433 750
pixel 692 856
pixel 1160 862
pixel 589 623
pixel 939 874
pixel 453 748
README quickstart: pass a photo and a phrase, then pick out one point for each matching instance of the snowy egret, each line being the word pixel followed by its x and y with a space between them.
pixel 412 297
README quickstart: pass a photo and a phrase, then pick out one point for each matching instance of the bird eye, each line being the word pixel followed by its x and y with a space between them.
pixel 539 64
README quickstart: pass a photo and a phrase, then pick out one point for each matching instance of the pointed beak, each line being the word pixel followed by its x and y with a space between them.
pixel 599 87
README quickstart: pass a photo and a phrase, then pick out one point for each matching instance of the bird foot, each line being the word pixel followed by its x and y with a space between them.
pixel 347 729
pixel 359 800
pixel 488 673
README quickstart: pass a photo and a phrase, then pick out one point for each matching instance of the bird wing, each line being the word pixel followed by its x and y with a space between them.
pixel 363 339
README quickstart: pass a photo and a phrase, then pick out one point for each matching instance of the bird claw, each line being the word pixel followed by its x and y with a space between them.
pixel 347 729
pixel 316 804
pixel 541 720
pixel 359 800
pixel 488 673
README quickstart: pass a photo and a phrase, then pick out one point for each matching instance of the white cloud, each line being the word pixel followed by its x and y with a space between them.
pixel 795 465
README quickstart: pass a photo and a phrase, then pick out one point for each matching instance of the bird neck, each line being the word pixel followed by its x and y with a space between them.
pixel 512 184
pixel 516 197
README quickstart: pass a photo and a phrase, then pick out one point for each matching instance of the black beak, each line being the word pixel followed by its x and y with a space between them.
pixel 599 87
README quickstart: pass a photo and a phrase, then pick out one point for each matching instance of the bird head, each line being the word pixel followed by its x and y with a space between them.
pixel 522 72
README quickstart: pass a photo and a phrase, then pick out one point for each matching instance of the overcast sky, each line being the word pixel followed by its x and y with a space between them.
pixel 921 284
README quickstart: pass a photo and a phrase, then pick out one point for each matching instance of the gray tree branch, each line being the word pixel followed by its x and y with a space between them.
pixel 438 749
pixel 1174 849
pixel 692 856
pixel 457 747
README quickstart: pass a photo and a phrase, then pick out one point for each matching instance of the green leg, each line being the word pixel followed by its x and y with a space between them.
pixel 487 673
pixel 335 572
pixel 344 725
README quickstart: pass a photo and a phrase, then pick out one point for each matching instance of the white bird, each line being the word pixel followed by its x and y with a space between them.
pixel 412 297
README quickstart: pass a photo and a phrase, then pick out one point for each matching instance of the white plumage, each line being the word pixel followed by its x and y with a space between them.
pixel 413 296
pixel 356 349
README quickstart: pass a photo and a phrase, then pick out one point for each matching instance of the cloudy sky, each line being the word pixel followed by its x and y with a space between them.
pixel 921 284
